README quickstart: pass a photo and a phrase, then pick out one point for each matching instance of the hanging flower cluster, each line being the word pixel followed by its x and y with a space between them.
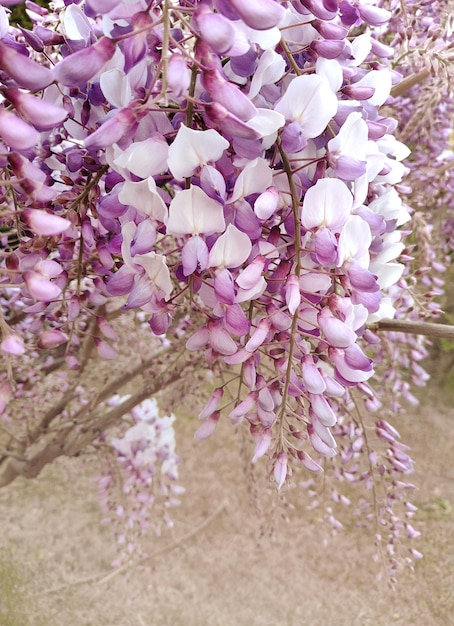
pixel 146 475
pixel 223 165
pixel 420 38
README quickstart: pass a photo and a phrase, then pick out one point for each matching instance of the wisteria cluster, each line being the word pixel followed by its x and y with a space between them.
pixel 421 37
pixel 228 169
pixel 146 475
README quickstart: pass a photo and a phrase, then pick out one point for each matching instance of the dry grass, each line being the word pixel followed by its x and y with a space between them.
pixel 229 569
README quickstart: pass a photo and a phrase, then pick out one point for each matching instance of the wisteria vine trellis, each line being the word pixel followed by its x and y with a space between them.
pixel 231 170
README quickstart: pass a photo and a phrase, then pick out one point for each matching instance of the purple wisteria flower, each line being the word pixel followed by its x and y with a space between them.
pixel 227 168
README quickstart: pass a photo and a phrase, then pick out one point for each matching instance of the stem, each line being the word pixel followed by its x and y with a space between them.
pixel 290 58
pixel 191 91
pixel 297 243
pixel 165 48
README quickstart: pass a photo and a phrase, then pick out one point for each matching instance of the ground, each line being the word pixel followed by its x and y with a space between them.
pixel 227 561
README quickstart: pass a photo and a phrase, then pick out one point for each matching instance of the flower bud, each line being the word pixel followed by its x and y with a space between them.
pixel 83 65
pixel 44 223
pixel 51 339
pixel 280 469
pixel 24 71
pixel 42 114
pixel 292 294
pixel 212 403
pixel 178 75
pixel 15 132
pixel 208 427
pixel 13 344
pixel 215 29
pixel 259 14
pixel 266 204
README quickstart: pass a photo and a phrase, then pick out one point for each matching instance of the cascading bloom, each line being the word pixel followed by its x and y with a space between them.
pixel 239 167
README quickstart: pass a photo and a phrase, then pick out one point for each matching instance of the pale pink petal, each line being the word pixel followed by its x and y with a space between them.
pixel 221 341
pixel 144 197
pixel 13 344
pixel 312 377
pixel 259 14
pixel 229 124
pixel 322 409
pixel 358 370
pixel 75 26
pixel 15 132
pixel 254 178
pixel 323 432
pixel 145 158
pixel 262 442
pixel 83 65
pixel 259 335
pixel 236 321
pixel 141 291
pixel 267 203
pixel 194 255
pixel 265 400
pixel 107 329
pixel 105 350
pixel 40 287
pixel 23 70
pixel 122 123
pixel 292 293
pixel 328 203
pixel 4 23
pixel 178 74
pixel 194 148
pixel 198 340
pixel 216 30
pixel 309 101
pixel 228 95
pixel 354 241
pixel 207 428
pixel 50 339
pixel 44 115
pixel 336 332
pixel 231 249
pixel 280 469
pixel 325 243
pixel 270 69
pixel 224 286
pixel 249 277
pixel 44 223
pixel 244 407
pixel 157 271
pixel 212 403
pixel 193 212
pixel 267 123
pixel 309 462
pixel 333 390
pixel 116 88
pixel 319 446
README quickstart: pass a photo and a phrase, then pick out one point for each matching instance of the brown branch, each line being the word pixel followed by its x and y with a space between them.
pixel 408 82
pixel 72 438
pixel 443 331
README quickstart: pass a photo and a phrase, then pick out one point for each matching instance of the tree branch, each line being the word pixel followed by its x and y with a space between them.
pixel 444 331
pixel 408 82
pixel 72 438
